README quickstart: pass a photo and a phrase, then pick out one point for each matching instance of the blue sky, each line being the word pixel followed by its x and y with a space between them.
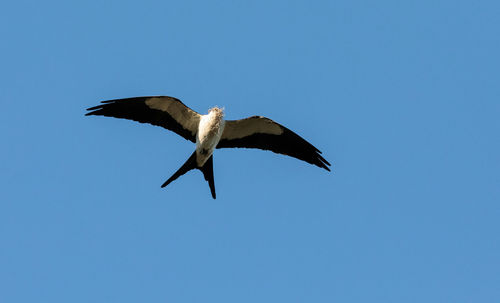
pixel 402 97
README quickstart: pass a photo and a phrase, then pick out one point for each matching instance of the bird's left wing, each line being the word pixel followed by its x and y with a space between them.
pixel 263 133
pixel 167 112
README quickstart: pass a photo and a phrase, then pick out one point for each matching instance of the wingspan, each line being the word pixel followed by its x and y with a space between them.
pixel 264 133
pixel 167 112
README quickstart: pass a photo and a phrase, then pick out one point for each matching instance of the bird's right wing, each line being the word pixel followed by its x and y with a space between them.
pixel 263 133
pixel 167 112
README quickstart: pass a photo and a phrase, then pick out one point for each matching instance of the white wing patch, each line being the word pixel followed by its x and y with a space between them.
pixel 246 127
pixel 186 117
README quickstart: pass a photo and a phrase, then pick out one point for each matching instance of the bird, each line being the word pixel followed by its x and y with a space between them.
pixel 210 132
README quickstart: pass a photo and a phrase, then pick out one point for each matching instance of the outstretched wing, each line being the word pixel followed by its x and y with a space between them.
pixel 167 112
pixel 264 133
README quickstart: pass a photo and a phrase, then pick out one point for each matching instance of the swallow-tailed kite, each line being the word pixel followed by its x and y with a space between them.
pixel 210 131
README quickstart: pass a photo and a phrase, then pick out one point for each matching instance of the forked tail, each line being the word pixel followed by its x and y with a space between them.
pixel 207 169
pixel 208 172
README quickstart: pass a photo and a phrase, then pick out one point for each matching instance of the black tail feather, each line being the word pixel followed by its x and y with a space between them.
pixel 207 169
pixel 208 173
pixel 189 165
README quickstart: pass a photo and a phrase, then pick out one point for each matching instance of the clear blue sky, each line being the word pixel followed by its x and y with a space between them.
pixel 402 97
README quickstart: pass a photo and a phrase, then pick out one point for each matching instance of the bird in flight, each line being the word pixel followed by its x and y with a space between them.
pixel 210 131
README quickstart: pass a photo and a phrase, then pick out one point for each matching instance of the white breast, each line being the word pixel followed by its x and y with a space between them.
pixel 209 132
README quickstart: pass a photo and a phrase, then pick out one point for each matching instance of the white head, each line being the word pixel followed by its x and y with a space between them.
pixel 219 112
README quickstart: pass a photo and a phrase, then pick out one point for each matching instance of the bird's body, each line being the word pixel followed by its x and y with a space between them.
pixel 210 131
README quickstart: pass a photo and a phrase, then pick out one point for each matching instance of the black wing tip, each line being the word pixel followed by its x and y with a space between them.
pixel 126 99
pixel 95 111
pixel 320 161
pixel 107 103
pixel 130 99
pixel 324 164
pixel 95 107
